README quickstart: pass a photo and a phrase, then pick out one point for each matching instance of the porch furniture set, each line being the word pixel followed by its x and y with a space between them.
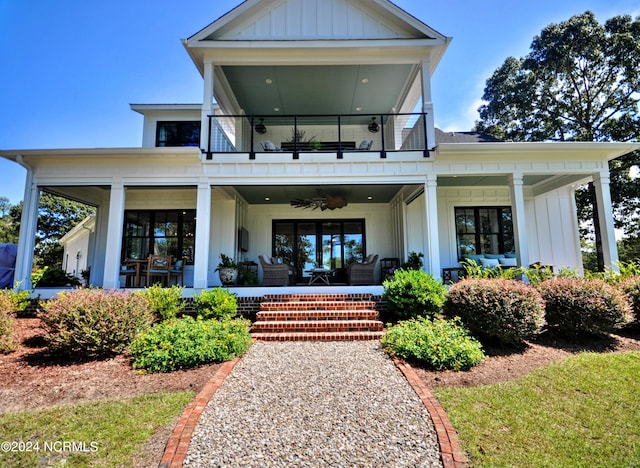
pixel 327 146
pixel 152 268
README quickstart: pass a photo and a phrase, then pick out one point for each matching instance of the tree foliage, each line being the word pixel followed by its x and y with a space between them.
pixel 56 217
pixel 579 82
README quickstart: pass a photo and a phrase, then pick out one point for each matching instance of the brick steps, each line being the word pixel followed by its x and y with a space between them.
pixel 317 317
pixel 319 336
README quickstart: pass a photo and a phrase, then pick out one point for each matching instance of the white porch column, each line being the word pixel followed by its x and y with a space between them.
pixel 519 219
pixel 427 104
pixel 432 237
pixel 207 104
pixel 605 214
pixel 113 246
pixel 27 239
pixel 203 231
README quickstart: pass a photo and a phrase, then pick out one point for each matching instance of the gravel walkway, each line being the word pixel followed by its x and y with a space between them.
pixel 315 404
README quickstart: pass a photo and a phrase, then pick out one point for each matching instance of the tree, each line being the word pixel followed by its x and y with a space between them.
pixel 56 217
pixel 580 82
pixel 9 229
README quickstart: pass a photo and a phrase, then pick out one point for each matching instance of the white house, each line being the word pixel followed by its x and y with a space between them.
pixel 344 76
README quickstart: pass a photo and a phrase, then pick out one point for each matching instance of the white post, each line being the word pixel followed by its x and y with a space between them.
pixel 203 231
pixel 519 219
pixel 27 239
pixel 605 215
pixel 207 105
pixel 111 278
pixel 432 238
pixel 427 104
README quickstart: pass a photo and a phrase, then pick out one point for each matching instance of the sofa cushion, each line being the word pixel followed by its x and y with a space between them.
pixel 510 262
pixel 489 262
pixel 494 256
pixel 475 258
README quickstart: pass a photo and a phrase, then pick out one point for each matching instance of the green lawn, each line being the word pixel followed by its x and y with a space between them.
pixel 111 433
pixel 583 411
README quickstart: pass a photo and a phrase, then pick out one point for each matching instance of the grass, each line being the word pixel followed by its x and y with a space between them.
pixel 111 432
pixel 583 411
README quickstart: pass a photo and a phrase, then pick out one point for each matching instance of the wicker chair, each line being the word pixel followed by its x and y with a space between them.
pixel 273 273
pixel 363 273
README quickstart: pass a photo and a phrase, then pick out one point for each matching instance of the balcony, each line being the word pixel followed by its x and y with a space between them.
pixel 381 134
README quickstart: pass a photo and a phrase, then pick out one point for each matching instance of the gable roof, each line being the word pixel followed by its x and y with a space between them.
pixel 332 19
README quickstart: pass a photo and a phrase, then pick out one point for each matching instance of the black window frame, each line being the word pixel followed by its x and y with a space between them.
pixel 145 235
pixel 182 129
pixel 504 234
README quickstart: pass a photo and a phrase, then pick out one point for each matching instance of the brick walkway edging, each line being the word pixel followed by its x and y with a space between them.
pixel 452 454
pixel 175 451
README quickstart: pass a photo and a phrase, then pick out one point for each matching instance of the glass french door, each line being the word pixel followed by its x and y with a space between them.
pixel 309 244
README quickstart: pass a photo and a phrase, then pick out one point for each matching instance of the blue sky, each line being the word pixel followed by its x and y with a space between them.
pixel 70 68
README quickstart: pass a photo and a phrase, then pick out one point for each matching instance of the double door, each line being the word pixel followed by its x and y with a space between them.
pixel 328 244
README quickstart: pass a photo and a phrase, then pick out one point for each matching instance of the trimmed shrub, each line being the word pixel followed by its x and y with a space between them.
pixel 166 303
pixel 413 293
pixel 497 309
pixel 93 322
pixel 439 344
pixel 217 303
pixel 18 300
pixel 187 342
pixel 7 324
pixel 630 287
pixel 581 307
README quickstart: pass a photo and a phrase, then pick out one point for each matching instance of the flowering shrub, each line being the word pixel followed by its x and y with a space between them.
pixel 631 288
pixel 15 300
pixel 93 322
pixel 413 293
pixel 7 324
pixel 165 303
pixel 438 344
pixel 498 309
pixel 217 303
pixel 187 342
pixel 577 306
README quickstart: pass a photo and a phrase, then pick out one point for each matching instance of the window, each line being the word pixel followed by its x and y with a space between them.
pixel 160 232
pixel 484 230
pixel 186 133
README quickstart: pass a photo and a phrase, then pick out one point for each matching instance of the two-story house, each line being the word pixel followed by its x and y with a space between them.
pixel 307 147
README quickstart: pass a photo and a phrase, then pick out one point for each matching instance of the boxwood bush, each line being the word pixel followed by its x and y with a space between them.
pixel 217 303
pixel 577 307
pixel 188 342
pixel 94 322
pixel 439 344
pixel 413 293
pixel 502 310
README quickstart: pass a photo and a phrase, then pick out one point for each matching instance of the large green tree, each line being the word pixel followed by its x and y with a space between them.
pixel 579 82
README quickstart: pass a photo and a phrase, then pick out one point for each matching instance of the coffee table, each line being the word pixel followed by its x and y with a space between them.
pixel 319 275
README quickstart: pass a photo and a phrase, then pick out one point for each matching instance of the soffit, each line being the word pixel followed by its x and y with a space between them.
pixel 333 89
pixel 277 195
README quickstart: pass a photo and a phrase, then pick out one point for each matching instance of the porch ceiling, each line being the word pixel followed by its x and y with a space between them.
pixel 274 195
pixel 315 89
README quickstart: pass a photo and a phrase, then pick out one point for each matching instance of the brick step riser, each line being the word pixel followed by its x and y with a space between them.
pixel 329 305
pixel 312 315
pixel 342 336
pixel 332 326
pixel 316 297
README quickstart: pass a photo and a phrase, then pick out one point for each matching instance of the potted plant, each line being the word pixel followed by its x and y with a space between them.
pixel 414 261
pixel 228 270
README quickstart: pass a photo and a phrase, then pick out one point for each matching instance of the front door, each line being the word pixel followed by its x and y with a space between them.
pixel 309 244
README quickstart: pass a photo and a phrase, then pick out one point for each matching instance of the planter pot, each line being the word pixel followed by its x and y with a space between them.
pixel 228 275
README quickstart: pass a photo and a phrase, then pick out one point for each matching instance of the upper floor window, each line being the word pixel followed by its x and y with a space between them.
pixel 180 133
pixel 484 230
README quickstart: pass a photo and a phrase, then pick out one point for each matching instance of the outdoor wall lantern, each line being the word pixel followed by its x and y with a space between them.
pixel 260 128
pixel 373 126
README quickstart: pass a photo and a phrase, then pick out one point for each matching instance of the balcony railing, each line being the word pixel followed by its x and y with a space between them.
pixel 338 134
